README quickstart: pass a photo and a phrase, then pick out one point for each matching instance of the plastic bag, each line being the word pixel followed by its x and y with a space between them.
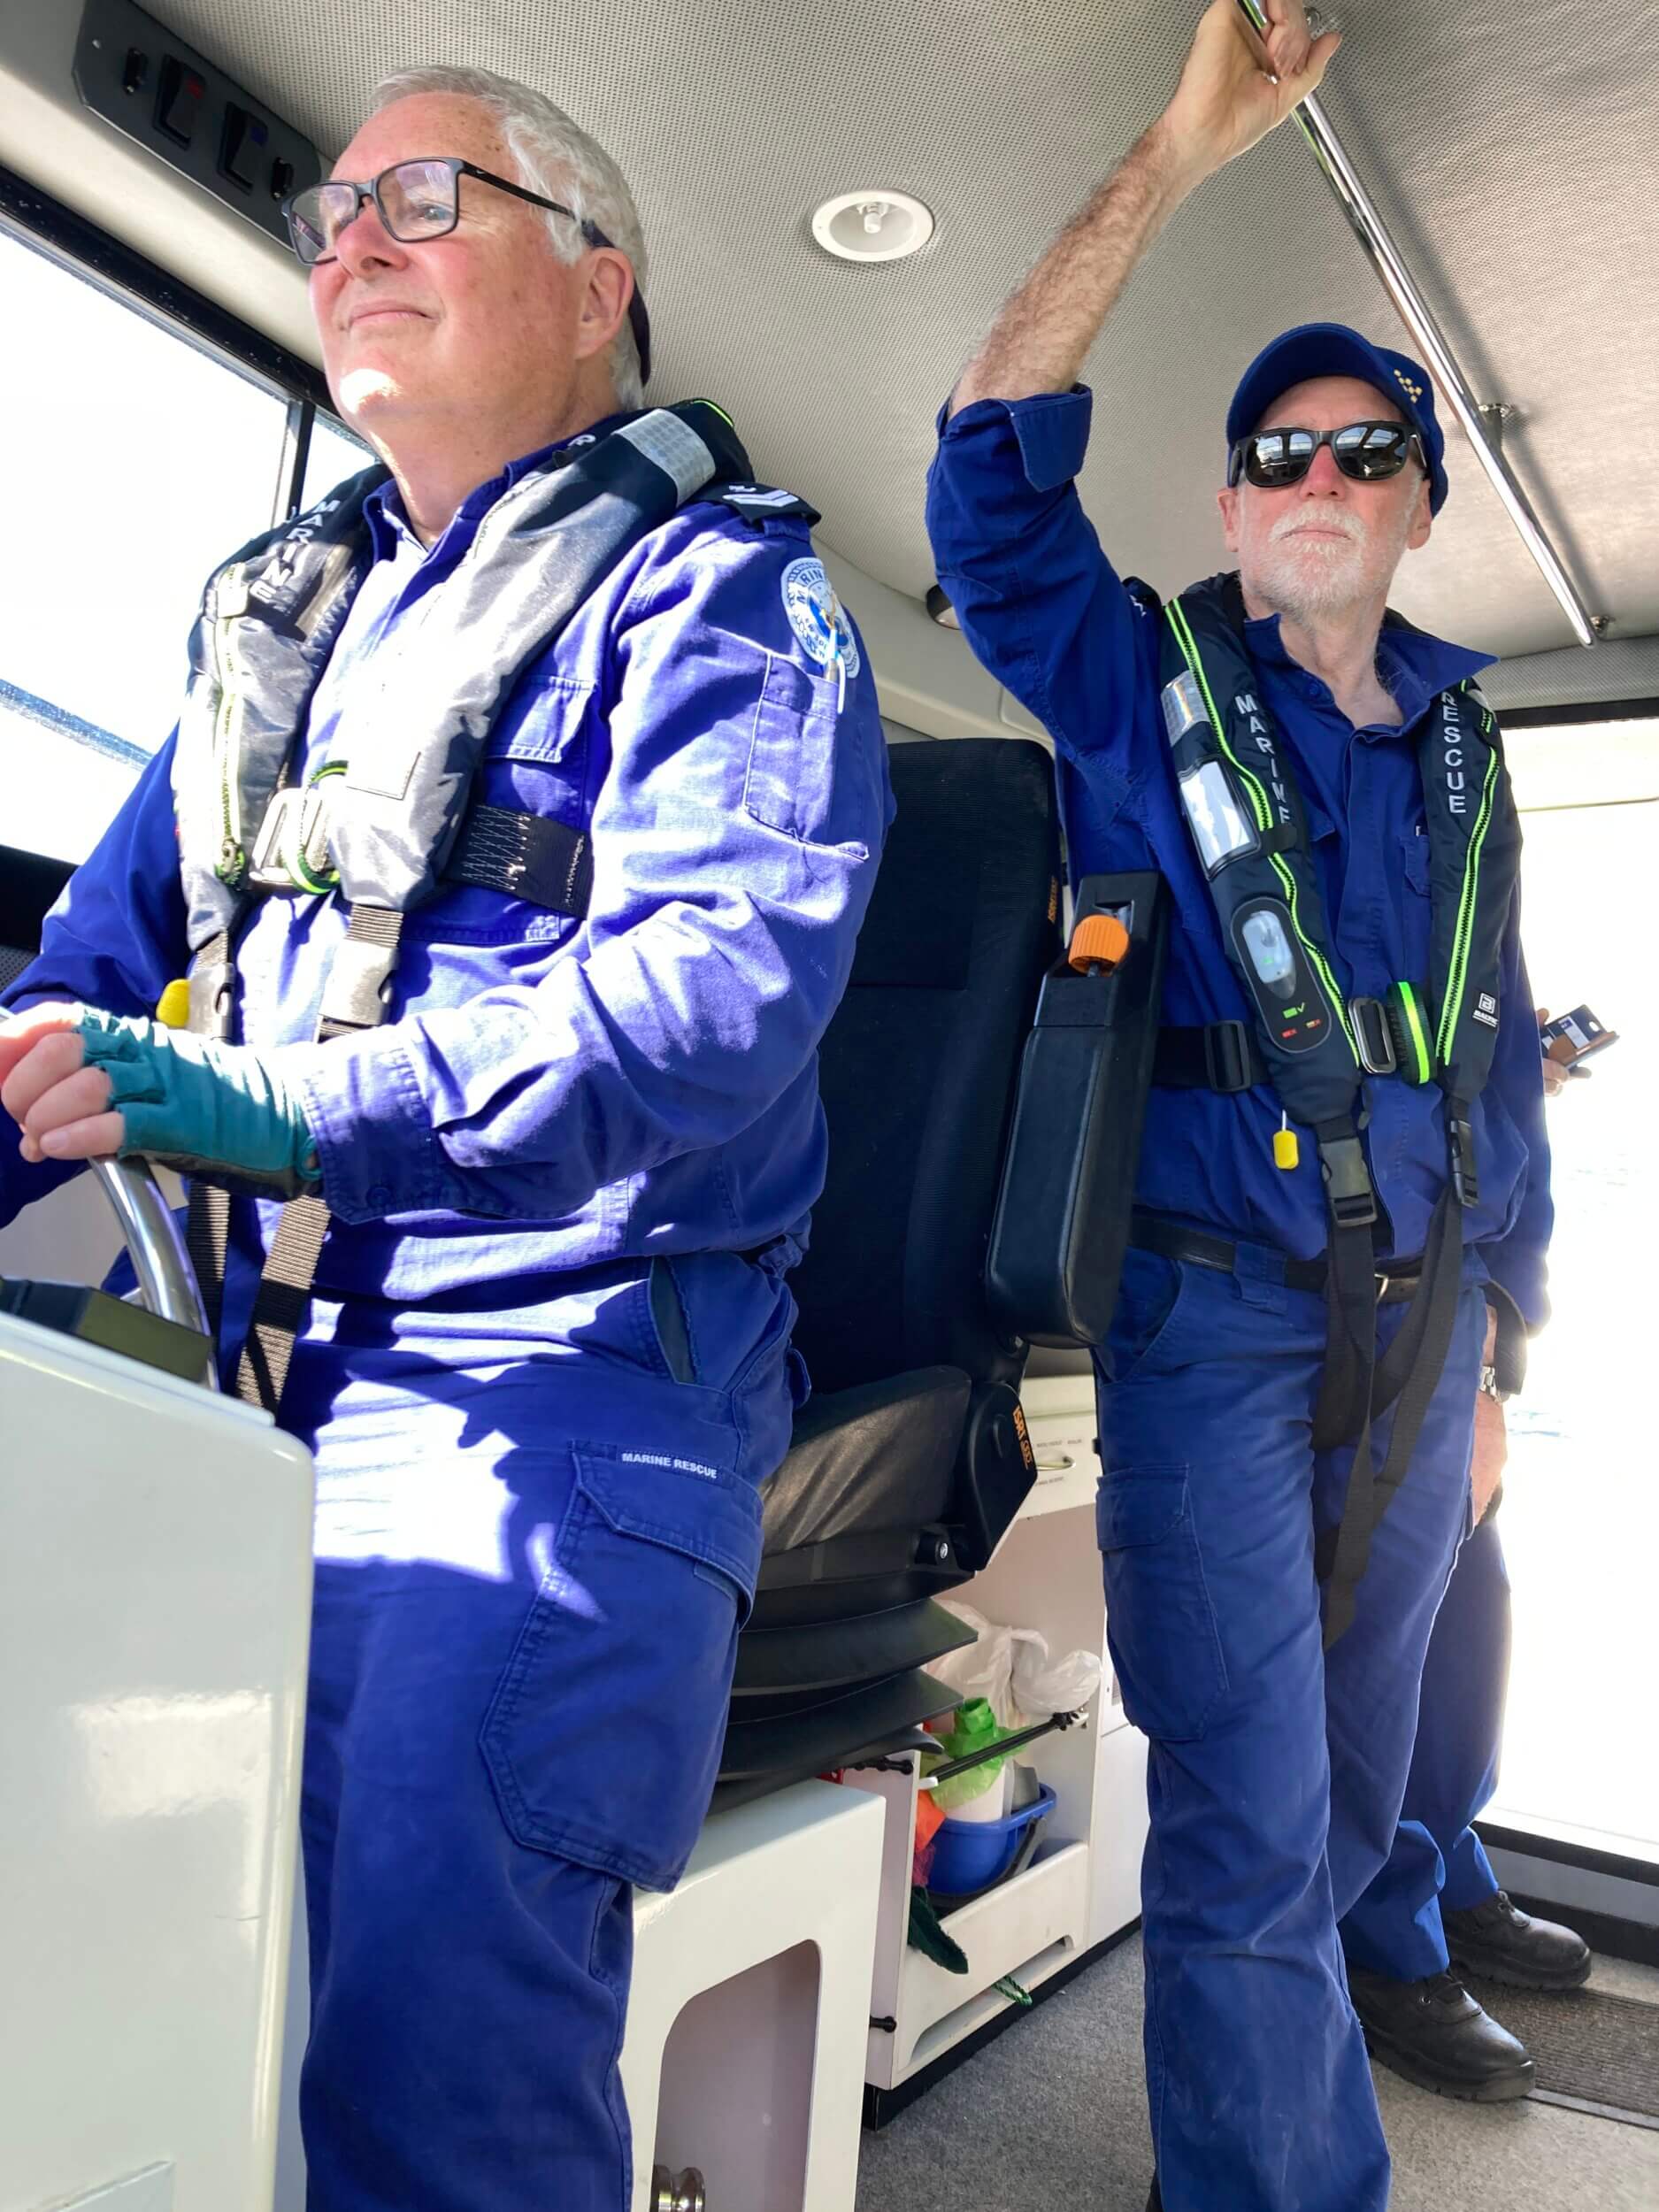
pixel 929 1820
pixel 1013 1669
pixel 974 1729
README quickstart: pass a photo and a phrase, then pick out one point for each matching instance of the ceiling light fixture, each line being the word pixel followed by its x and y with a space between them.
pixel 872 225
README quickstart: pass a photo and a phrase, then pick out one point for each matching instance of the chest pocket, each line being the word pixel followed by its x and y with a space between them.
pixel 808 774
pixel 1414 860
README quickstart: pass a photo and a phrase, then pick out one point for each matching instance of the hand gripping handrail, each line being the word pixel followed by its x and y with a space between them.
pixel 1414 311
pixel 165 1279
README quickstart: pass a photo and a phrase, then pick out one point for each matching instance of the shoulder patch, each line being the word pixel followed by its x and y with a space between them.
pixel 809 601
pixel 757 501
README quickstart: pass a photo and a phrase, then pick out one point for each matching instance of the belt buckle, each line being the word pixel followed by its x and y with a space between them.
pixel 1227 1056
pixel 1382 1285
pixel 290 850
pixel 1373 1036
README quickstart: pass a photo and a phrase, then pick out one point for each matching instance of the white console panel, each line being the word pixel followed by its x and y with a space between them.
pixel 155 1595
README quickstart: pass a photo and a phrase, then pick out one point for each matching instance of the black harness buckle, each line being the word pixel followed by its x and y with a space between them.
pixel 1227 1056
pixel 1347 1183
pixel 1460 1145
pixel 1373 1036
pixel 212 987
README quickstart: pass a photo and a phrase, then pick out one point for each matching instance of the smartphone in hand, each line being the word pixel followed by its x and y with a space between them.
pixel 1571 1038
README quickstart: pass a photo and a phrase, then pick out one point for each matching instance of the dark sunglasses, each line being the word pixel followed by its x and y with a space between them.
pixel 1367 451
pixel 417 200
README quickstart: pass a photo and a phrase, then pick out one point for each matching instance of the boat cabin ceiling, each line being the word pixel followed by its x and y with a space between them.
pixel 1513 159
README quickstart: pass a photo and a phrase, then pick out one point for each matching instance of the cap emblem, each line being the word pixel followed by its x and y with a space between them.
pixel 1415 390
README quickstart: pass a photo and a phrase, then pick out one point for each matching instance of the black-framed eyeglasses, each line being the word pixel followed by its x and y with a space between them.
pixel 1367 451
pixel 420 199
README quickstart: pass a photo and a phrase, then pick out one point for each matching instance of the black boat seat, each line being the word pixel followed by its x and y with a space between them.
pixel 878 1456
pixel 910 1460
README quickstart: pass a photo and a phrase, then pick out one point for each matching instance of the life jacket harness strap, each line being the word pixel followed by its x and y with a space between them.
pixel 1224 1055
pixel 523 855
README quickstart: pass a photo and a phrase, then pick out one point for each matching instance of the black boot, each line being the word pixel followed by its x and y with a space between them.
pixel 1434 2033
pixel 1499 1942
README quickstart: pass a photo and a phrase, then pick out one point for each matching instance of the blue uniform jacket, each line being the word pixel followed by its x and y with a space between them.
pixel 1049 618
pixel 550 1095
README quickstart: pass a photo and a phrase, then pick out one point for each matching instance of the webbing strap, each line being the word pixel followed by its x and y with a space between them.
pixel 1220 1057
pixel 1350 1310
pixel 527 857
pixel 207 1241
pixel 1351 1199
pixel 207 1208
pixel 282 1302
pixel 283 1298
pixel 1411 1368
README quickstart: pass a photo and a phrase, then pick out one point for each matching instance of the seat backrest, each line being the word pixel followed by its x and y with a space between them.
pixel 918 1066
pixel 29 883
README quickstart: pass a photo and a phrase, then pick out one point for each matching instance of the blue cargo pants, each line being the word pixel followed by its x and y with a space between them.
pixel 1437 1860
pixel 1275 1770
pixel 530 1572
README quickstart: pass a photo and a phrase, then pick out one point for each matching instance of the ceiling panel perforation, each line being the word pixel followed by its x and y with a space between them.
pixel 1515 157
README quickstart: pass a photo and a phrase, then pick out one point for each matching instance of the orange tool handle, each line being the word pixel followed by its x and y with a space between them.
pixel 1098 943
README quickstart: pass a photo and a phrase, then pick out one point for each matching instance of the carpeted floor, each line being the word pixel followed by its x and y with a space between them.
pixel 1051 2118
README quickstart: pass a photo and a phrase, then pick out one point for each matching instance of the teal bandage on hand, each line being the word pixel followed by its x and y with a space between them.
pixel 200 1106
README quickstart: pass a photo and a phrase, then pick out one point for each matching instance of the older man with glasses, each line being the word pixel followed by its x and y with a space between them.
pixel 1343 1195
pixel 519 825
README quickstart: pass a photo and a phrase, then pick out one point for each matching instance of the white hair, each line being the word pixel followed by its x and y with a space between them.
pixel 557 158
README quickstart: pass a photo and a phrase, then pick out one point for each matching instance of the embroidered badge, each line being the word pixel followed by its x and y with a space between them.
pixel 810 603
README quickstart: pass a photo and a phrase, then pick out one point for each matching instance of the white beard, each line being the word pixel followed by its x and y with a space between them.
pixel 1315 578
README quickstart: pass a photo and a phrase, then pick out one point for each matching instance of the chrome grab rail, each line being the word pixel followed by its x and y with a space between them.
pixel 1366 221
pixel 167 1281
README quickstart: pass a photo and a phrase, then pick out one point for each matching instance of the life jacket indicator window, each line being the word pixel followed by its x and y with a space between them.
pixel 1218 822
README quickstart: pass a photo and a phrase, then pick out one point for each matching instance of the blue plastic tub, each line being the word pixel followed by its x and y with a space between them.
pixel 970 1854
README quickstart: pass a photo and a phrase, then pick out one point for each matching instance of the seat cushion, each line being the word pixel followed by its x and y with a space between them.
pixel 878 1456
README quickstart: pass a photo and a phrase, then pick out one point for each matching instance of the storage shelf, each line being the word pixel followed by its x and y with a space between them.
pixel 1041 1911
pixel 1084 1888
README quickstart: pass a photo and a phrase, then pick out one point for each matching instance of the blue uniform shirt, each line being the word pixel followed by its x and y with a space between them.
pixel 551 1095
pixel 1049 618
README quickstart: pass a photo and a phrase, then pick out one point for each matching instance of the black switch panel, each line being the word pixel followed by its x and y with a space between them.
pixel 178 101
pixel 176 105
pixel 244 157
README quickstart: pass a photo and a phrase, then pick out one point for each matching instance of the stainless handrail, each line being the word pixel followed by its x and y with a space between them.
pixel 165 1277
pixel 1419 318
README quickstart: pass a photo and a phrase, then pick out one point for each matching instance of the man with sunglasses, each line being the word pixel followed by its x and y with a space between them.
pixel 542 766
pixel 1313 779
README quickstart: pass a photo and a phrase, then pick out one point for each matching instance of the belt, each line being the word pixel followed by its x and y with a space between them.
pixel 1396 1279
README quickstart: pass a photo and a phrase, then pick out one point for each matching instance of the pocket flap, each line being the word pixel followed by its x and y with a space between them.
pixel 700 1511
pixel 1141 1505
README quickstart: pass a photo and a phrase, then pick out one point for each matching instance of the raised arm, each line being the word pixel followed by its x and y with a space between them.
pixel 1234 89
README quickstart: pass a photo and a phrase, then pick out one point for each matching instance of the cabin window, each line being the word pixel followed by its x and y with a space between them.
pixel 1580 1513
pixel 135 460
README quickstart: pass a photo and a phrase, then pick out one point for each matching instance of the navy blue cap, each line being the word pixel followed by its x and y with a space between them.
pixel 1333 350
